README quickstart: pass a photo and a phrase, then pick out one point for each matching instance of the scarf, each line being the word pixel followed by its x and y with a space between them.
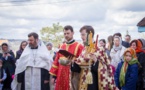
pixel 116 48
pixel 7 50
pixel 126 64
pixel 139 47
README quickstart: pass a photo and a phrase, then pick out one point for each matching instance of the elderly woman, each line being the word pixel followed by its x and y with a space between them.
pixel 49 46
pixel 116 52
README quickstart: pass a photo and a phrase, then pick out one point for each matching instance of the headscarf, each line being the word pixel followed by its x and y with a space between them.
pixel 139 47
pixel 7 46
pixel 143 43
pixel 120 44
pixel 126 63
pixel 49 44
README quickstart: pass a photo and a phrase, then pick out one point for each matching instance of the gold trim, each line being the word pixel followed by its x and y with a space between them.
pixel 54 66
pixel 63 58
pixel 52 74
pixel 82 84
pixel 67 47
pixel 76 49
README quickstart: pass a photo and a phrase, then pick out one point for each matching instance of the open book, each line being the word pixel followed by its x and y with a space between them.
pixel 66 53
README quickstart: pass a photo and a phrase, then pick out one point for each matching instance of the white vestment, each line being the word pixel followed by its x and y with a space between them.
pixel 31 61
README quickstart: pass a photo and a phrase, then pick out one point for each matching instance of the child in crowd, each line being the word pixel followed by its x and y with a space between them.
pixel 127 71
pixel 3 75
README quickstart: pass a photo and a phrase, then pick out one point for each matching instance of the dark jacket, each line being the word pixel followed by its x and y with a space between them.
pixel 18 54
pixel 9 66
pixel 130 77
pixel 125 44
pixel 1 55
pixel 9 63
pixel 2 74
pixel 141 72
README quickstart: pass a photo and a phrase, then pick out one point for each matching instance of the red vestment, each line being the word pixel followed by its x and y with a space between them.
pixel 63 73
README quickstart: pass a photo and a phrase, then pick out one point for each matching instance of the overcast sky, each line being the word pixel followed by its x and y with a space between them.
pixel 20 17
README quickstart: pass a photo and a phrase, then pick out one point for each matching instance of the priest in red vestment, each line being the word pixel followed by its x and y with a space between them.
pixel 60 69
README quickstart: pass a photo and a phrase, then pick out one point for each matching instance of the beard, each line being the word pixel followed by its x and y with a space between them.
pixel 33 45
pixel 68 38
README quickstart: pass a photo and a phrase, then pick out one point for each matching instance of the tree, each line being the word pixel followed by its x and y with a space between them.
pixel 52 34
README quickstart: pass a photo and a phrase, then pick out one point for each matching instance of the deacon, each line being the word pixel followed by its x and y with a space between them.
pixel 61 66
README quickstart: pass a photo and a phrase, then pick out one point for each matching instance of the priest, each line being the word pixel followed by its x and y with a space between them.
pixel 32 69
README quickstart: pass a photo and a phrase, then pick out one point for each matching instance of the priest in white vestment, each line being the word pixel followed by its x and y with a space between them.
pixel 32 69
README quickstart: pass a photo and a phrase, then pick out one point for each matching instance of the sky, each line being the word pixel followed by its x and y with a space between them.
pixel 20 17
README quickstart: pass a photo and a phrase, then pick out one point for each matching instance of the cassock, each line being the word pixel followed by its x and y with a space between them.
pixel 63 72
pixel 32 69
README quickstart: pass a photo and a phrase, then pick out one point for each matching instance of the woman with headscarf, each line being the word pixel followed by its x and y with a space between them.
pixel 137 46
pixel 126 73
pixel 21 49
pixel 94 67
pixel 8 59
pixel 116 52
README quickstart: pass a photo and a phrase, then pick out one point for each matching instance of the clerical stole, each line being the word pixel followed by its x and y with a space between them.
pixel 63 73
pixel 32 78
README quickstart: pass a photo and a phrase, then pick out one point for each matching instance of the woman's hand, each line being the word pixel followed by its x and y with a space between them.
pixel 4 55
pixel 53 81
pixel 9 54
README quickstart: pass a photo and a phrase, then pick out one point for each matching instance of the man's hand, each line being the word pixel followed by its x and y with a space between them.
pixel 93 57
pixel 46 81
pixel 53 81
pixel 71 59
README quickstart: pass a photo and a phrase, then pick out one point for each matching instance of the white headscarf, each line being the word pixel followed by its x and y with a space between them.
pixel 117 53
pixel 8 48
pixel 120 44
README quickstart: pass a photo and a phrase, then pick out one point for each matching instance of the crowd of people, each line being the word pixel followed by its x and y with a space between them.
pixel 93 65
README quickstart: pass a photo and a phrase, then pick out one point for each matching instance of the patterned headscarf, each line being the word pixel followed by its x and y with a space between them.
pixel 126 63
